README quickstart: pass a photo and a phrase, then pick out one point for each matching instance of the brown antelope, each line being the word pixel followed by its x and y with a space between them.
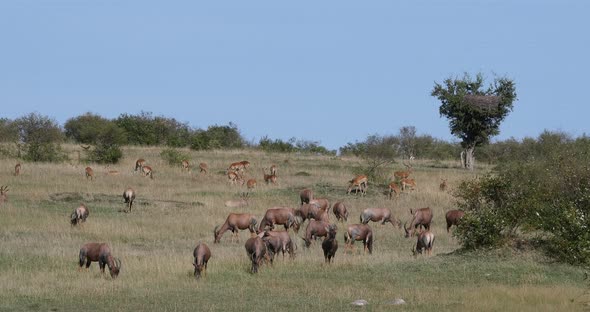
pixel 129 197
pixel 269 178
pixel 393 189
pixel 359 232
pixel 17 169
pixel 330 244
pixel 340 211
pixel 202 254
pixel 79 215
pixel 425 241
pixel 185 165
pixel 147 171
pixel 314 230
pixel 237 203
pixel 408 183
pixel 453 217
pixel 318 213
pixel 89 173
pixel 101 253
pixel 382 215
pixel 273 169
pixel 3 195
pixel 139 164
pixel 257 251
pixel 203 168
pixel 306 195
pixel 239 166
pixel 279 241
pixel 280 215
pixel 251 184
pixel 360 182
pixel 443 185
pixel 321 203
pixel 421 217
pixel 235 222
pixel 403 174
pixel 234 178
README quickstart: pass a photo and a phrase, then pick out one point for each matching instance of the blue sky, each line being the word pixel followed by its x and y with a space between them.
pixel 328 71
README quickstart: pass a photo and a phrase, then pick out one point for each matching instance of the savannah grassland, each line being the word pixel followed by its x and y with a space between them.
pixel 39 248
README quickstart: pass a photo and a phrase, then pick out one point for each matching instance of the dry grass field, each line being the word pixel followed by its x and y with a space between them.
pixel 175 210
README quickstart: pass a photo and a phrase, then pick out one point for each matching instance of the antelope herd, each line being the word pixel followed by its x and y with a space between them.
pixel 265 242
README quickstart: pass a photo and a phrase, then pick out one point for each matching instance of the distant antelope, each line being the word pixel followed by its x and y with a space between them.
pixel 393 189
pixel 203 168
pixel 79 215
pixel 185 165
pixel 425 241
pixel 147 171
pixel 239 166
pixel 237 203
pixel 89 173
pixel 443 185
pixel 101 253
pixel 403 174
pixel 202 254
pixel 273 169
pixel 3 195
pixel 251 184
pixel 139 164
pixel 330 244
pixel 129 197
pixel 360 182
pixel 408 183
pixel 453 217
pixel 234 178
pixel 269 178
pixel 17 169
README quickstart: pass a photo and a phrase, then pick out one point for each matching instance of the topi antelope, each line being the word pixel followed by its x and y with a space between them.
pixel 257 251
pixel 340 211
pixel 17 169
pixel 101 253
pixel 360 182
pixel 306 195
pixel 129 197
pixel 382 215
pixel 89 173
pixel 421 217
pixel 314 230
pixel 79 215
pixel 3 195
pixel 279 241
pixel 330 244
pixel 425 241
pixel 201 255
pixel 359 232
pixel 453 217
pixel 235 222
pixel 280 215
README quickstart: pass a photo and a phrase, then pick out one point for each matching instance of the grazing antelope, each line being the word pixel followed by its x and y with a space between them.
pixel 403 174
pixel 235 222
pixel 251 184
pixel 425 241
pixel 382 215
pixel 421 217
pixel 234 178
pixel 330 244
pixel 89 173
pixel 453 217
pixel 314 230
pixel 185 165
pixel 306 195
pixel 408 183
pixel 139 164
pixel 359 232
pixel 147 171
pixel 3 195
pixel 393 189
pixel 279 241
pixel 239 166
pixel 203 168
pixel 360 182
pixel 318 212
pixel 321 203
pixel 443 185
pixel 269 178
pixel 257 251
pixel 17 169
pixel 340 211
pixel 273 169
pixel 101 253
pixel 129 197
pixel 79 215
pixel 280 215
pixel 202 254
pixel 237 203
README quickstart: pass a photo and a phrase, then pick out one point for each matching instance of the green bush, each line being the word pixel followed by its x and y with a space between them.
pixel 173 157
pixel 41 137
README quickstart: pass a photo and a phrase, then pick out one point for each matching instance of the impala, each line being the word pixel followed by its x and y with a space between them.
pixel 403 174
pixel 79 215
pixel 421 217
pixel 251 184
pixel 443 185
pixel 273 169
pixel 147 171
pixel 101 253
pixel 89 173
pixel 234 178
pixel 408 183
pixel 269 178
pixel 202 254
pixel 17 169
pixel 185 165
pixel 3 195
pixel 139 164
pixel 129 197
pixel 360 182
pixel 203 168
pixel 393 189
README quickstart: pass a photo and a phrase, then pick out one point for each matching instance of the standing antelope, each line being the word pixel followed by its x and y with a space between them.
pixel 279 241
pixel 201 255
pixel 233 177
pixel 280 215
pixel 340 211
pixel 443 185
pixel 330 244
pixel 425 241
pixel 139 164
pixel 393 189
pixel 185 165
pixel 251 184
pixel 235 222
pixel 203 168
pixel 3 195
pixel 89 173
pixel 101 253
pixel 359 232
pixel 314 230
pixel 403 174
pixel 382 215
pixel 453 217
pixel 257 251
pixel 421 217
pixel 306 195
pixel 408 183
pixel 79 215
pixel 129 197
pixel 269 178
pixel 273 169
pixel 17 169
pixel 360 182
pixel 147 171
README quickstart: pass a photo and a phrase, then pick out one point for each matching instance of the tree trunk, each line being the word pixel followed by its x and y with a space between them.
pixel 469 158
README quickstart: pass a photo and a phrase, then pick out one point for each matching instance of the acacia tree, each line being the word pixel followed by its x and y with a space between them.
pixel 474 113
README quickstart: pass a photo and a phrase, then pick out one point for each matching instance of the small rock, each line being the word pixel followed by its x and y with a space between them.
pixel 359 303
pixel 398 301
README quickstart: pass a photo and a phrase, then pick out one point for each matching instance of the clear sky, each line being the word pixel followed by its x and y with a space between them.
pixel 327 71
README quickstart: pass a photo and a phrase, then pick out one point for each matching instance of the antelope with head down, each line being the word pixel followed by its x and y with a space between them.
pixel 101 253
pixel 257 251
pixel 360 183
pixel 129 197
pixel 203 167
pixel 382 215
pixel 279 241
pixel 314 230
pixel 251 184
pixel 79 215
pixel 202 254
pixel 233 178
pixel 139 164
pixel 89 173
pixel 17 168
pixel 359 232
pixel 393 189
pixel 3 195
pixel 340 211
pixel 443 185
pixel 425 241
pixel 185 165
pixel 411 183
pixel 235 222
pixel 420 218
pixel 147 172
pixel 280 215
pixel 306 195
pixel 453 217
